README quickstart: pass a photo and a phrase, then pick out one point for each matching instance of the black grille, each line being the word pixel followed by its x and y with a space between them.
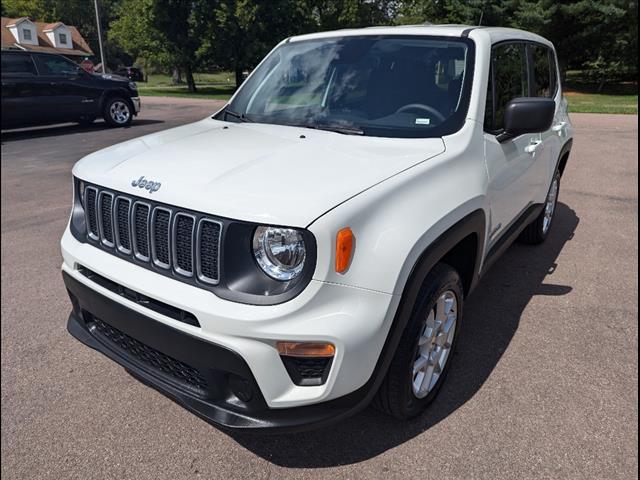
pixel 156 360
pixel 161 235
pixel 180 243
pixel 122 223
pixel 141 229
pixel 208 245
pixel 90 206
pixel 139 298
pixel 184 241
pixel 307 371
pixel 106 217
pixel 311 367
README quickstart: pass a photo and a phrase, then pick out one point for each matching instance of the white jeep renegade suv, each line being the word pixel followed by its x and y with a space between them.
pixel 309 248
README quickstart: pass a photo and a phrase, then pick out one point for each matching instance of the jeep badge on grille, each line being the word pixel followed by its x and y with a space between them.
pixel 146 184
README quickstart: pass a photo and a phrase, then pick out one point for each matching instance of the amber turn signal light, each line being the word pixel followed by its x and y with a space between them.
pixel 344 249
pixel 306 349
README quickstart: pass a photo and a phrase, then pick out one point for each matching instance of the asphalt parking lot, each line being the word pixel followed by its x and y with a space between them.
pixel 544 383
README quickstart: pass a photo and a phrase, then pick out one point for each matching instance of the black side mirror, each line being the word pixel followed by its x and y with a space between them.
pixel 527 115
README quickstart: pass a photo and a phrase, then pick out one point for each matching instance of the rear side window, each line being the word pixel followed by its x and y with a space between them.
pixel 17 65
pixel 543 71
pixel 509 80
pixel 50 65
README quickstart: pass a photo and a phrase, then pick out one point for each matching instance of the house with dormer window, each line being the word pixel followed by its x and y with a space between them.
pixel 25 34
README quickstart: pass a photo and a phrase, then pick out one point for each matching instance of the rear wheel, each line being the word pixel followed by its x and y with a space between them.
pixel 423 357
pixel 117 112
pixel 538 231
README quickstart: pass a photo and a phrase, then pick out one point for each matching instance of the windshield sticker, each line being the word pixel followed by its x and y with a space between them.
pixel 423 121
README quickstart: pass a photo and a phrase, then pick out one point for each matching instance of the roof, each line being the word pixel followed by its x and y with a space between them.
pixel 17 21
pixel 80 46
pixel 52 26
pixel 495 34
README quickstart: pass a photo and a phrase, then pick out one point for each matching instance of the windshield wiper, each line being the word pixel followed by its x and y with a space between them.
pixel 344 129
pixel 240 116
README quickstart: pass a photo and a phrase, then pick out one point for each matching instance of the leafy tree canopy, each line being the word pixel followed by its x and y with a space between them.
pixel 600 36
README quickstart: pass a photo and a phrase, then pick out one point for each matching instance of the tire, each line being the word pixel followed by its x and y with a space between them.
pixel 397 395
pixel 117 112
pixel 537 231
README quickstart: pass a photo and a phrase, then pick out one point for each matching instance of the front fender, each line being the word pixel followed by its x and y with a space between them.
pixel 395 221
pixel 120 92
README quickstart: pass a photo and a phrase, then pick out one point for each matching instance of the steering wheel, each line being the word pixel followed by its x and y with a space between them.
pixel 423 107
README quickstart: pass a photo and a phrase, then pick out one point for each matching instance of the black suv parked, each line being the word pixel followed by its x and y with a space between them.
pixel 44 88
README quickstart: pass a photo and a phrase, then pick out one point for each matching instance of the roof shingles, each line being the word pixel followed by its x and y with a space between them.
pixel 80 46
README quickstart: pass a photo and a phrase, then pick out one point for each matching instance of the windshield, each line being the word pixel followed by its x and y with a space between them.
pixel 388 86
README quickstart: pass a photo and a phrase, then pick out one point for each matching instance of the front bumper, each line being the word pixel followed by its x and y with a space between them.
pixel 137 104
pixel 222 370
pixel 234 343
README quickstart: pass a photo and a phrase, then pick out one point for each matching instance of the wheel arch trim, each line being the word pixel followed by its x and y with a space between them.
pixel 563 157
pixel 472 224
pixel 116 92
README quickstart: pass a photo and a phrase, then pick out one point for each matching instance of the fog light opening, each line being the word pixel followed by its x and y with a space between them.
pixel 307 363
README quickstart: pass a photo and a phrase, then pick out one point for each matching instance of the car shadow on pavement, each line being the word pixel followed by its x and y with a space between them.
pixel 491 319
pixel 64 129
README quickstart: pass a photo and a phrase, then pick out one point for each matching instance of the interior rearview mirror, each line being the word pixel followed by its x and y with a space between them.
pixel 527 115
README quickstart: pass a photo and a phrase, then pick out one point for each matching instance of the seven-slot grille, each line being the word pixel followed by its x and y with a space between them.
pixel 174 241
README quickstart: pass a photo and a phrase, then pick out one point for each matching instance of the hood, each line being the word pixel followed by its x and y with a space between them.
pixel 112 76
pixel 254 172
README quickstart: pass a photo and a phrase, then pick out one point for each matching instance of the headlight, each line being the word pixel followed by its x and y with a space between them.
pixel 280 252
pixel 133 86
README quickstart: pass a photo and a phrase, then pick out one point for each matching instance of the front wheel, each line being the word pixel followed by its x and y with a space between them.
pixel 117 112
pixel 538 231
pixel 423 356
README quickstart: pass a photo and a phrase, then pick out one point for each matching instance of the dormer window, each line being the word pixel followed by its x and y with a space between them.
pixel 63 38
pixel 24 31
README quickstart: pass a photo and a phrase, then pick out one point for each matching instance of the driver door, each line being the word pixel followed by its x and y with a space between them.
pixel 60 95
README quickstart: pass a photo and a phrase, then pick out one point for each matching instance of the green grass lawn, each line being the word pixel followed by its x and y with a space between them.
pixel 582 97
pixel 580 102
pixel 218 86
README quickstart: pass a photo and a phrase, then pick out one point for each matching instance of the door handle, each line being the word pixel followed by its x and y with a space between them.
pixel 533 146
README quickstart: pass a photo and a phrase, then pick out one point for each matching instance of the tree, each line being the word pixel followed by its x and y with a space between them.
pixel 334 14
pixel 242 31
pixel 598 36
pixel 470 12
pixel 182 24
pixel 590 35
pixel 134 30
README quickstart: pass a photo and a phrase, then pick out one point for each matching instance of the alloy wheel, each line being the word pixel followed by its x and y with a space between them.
pixel 119 112
pixel 435 343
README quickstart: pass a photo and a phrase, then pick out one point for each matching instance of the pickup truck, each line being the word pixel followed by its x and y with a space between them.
pixel 46 88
